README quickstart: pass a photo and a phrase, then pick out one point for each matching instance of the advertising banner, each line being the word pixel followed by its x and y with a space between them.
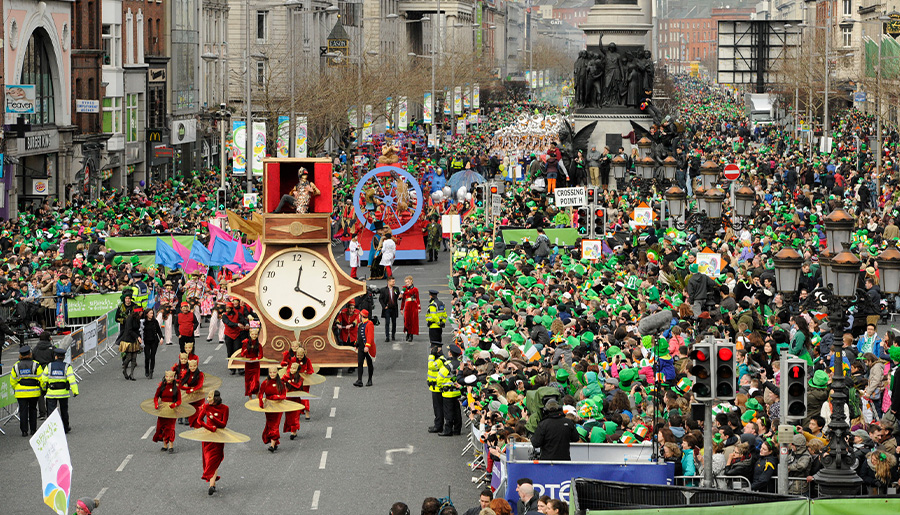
pixel 21 98
pixel 7 392
pixel 555 479
pixel 461 125
pixel 123 244
pixel 403 114
pixel 447 101
pixel 259 146
pixel 352 117
pixel 302 138
pixel 52 452
pixel 76 348
pixel 367 123
pixel 528 78
pixel 283 137
pixel 90 336
pixel 427 108
pixel 467 95
pixel 92 305
pixel 102 330
pixel 239 137
pixel 457 100
pixel 476 97
pixel 388 114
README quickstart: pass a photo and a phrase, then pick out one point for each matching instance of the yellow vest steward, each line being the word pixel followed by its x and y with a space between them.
pixel 27 379
pixel 445 382
pixel 434 367
pixel 60 380
pixel 435 318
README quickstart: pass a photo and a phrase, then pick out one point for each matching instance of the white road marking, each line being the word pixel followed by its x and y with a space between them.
pixel 219 346
pixel 322 461
pixel 337 391
pixel 147 434
pixel 124 462
pixel 395 346
pixel 333 411
pixel 315 501
pixel 207 360
pixel 328 432
pixel 388 458
pixel 340 372
pixel 103 491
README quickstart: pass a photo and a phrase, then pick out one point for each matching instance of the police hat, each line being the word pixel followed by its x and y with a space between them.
pixel 432 292
pixel 59 352
pixel 23 350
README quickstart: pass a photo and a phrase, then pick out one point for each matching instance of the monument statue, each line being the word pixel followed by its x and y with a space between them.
pixel 609 78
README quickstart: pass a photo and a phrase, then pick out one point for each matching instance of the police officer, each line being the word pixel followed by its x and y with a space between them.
pixel 436 318
pixel 60 384
pixel 450 393
pixel 435 362
pixel 27 379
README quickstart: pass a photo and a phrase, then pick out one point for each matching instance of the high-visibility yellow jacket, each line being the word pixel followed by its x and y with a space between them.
pixel 445 382
pixel 27 379
pixel 59 378
pixel 436 317
pixel 434 367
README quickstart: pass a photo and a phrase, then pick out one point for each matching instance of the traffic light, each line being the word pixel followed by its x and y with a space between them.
pixel 479 194
pixel 584 222
pixel 702 371
pixel 598 226
pixel 591 192
pixel 793 399
pixel 221 199
pixel 725 376
pixel 498 189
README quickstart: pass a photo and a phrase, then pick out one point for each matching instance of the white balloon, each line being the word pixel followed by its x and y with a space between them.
pixel 437 196
pixel 446 190
pixel 468 196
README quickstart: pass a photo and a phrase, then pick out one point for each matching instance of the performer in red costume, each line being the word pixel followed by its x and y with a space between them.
pixel 346 322
pixel 213 415
pixel 306 367
pixel 251 349
pixel 166 392
pixel 293 382
pixel 190 383
pixel 273 389
pixel 409 302
pixel 181 368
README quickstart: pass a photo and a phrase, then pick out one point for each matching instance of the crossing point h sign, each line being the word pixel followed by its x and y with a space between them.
pixel 570 197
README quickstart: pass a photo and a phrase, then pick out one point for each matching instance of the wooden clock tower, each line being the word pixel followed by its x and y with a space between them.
pixel 297 289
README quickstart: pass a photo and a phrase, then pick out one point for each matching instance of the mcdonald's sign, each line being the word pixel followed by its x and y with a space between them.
pixel 154 135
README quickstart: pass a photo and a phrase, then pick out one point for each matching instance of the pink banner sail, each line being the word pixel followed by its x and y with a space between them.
pixel 189 266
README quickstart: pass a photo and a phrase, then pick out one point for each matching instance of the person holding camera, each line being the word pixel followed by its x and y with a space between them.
pixel 554 434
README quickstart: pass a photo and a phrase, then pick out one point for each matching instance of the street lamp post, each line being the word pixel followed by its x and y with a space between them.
pixel 360 54
pixel 837 296
pixel 222 116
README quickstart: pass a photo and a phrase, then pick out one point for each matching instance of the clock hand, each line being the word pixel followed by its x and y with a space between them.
pixel 299 273
pixel 322 302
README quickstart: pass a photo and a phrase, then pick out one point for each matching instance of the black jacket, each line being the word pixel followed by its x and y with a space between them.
pixel 389 309
pixel 553 435
pixel 764 470
pixel 43 353
pixel 152 333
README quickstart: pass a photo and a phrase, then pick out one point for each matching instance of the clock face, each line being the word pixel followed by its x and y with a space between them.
pixel 297 289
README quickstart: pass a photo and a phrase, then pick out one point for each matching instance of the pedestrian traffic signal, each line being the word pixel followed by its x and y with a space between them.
pixel 599 224
pixel 221 199
pixel 793 400
pixel 591 192
pixel 498 189
pixel 702 371
pixel 725 376
pixel 478 194
pixel 583 225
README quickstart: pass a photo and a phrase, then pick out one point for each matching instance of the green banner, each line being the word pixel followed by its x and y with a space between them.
pixel 798 507
pixel 112 327
pixel 890 53
pixel 143 243
pixel 7 393
pixel 93 305
pixel 871 56
pixel 873 506
pixel 565 236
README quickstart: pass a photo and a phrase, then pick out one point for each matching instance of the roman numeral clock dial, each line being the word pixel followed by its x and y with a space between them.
pixel 297 289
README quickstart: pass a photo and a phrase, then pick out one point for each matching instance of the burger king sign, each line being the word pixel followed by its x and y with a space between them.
pixel 40 187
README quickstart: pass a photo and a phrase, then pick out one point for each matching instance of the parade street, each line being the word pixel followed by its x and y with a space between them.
pixel 364 449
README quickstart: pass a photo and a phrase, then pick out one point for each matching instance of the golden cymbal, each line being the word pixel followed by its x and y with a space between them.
pixel 223 435
pixel 273 406
pixel 312 379
pixel 257 360
pixel 211 382
pixel 164 411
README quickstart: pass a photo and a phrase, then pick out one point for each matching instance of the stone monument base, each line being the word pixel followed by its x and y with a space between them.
pixel 612 124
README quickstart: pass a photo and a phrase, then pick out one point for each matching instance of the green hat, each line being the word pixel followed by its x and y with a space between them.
pixel 748 416
pixel 598 435
pixel 610 427
pixel 587 337
pixel 613 351
pixel 894 353
pixel 608 290
pixel 753 404
pixel 626 377
pixel 694 268
pixel 562 375
pixel 820 379
pixel 582 433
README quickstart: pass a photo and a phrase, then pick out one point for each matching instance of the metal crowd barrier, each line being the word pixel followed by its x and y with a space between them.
pixel 11 411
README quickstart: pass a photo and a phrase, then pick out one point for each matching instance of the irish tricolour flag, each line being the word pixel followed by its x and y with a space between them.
pixel 531 352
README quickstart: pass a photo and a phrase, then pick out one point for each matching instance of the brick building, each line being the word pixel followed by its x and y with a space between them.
pixel 690 34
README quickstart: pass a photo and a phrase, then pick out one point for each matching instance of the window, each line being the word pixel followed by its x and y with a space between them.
pixel 36 70
pixel 848 8
pixel 261 19
pixel 111 45
pixel 112 115
pixel 131 117
pixel 846 36
pixel 260 72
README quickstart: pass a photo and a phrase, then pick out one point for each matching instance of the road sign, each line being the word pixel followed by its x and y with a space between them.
pixel 570 197
pixel 495 204
pixel 859 96
pixel 731 171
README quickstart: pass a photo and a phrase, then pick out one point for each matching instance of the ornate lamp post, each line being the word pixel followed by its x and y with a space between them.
pixel 745 199
pixel 709 174
pixel 840 272
pixel 618 170
pixel 707 220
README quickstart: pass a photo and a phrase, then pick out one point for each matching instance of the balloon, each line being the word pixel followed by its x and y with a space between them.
pixel 468 196
pixel 437 196
pixel 446 190
pixel 142 183
pixel 64 477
